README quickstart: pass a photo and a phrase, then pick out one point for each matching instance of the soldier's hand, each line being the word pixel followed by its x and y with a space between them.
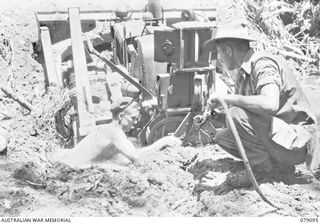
pixel 200 119
pixel 213 101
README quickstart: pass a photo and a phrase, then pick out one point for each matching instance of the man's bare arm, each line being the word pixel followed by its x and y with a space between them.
pixel 122 143
pixel 163 142
pixel 265 103
pixel 128 149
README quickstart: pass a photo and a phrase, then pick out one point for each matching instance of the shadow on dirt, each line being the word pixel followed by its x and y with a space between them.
pixel 224 165
pixel 288 179
pixel 202 170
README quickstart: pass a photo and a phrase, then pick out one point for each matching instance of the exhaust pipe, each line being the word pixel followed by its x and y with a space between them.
pixel 154 6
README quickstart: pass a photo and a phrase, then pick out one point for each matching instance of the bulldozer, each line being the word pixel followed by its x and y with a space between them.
pixel 158 52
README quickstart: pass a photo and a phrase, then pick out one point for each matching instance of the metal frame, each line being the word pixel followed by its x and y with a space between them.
pixel 84 100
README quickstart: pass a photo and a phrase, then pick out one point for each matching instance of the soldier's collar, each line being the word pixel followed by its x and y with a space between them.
pixel 246 65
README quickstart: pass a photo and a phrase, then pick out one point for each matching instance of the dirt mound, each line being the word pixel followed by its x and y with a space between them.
pixel 28 173
pixel 156 185
pixel 13 201
pixel 182 181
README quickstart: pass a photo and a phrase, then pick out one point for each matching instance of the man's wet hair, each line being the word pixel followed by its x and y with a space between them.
pixel 234 43
pixel 120 105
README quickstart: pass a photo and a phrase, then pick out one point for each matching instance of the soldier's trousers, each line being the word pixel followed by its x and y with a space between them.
pixel 261 150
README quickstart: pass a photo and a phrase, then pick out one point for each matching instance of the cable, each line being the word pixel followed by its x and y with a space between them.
pixel 243 154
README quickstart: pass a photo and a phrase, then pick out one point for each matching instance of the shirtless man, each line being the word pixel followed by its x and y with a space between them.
pixel 108 141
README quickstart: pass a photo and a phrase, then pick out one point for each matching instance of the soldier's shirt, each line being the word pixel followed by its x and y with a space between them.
pixel 258 71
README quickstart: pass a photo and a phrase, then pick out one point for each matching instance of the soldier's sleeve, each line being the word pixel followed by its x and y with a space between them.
pixel 266 72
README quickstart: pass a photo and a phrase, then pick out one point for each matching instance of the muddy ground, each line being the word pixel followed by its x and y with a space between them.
pixel 167 183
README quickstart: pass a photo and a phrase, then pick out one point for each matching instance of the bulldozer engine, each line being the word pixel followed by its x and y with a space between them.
pixel 188 79
pixel 161 59
pixel 188 66
pixel 184 45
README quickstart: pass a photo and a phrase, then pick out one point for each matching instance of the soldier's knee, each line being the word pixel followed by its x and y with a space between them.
pixel 219 135
pixel 222 136
pixel 237 114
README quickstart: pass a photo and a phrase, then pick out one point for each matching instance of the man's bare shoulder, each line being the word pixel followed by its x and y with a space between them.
pixel 111 131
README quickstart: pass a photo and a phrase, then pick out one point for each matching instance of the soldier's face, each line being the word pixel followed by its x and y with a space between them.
pixel 130 117
pixel 225 55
